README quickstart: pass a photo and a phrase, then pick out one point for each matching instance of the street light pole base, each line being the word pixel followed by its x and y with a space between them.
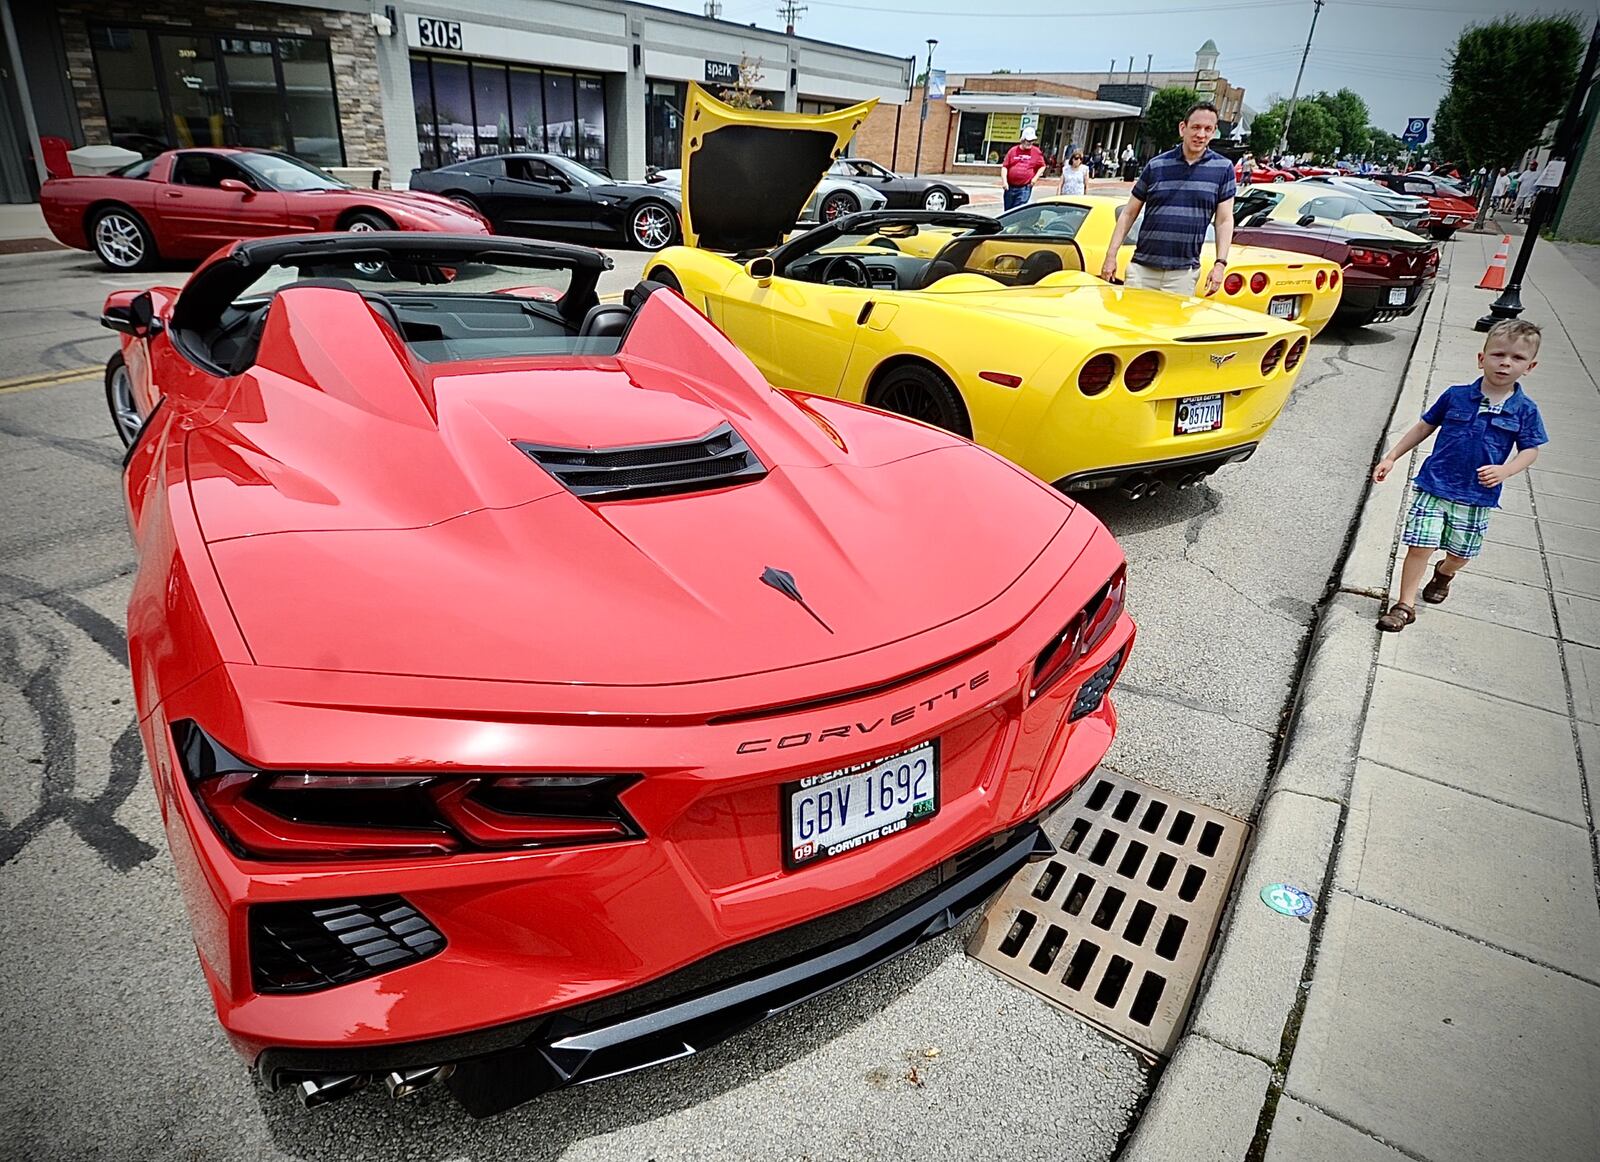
pixel 1507 306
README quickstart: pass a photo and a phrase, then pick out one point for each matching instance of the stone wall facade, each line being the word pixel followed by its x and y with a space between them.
pixel 352 45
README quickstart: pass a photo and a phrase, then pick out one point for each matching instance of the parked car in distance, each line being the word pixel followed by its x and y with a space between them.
pixel 1449 207
pixel 832 197
pixel 544 195
pixel 1263 174
pixel 188 203
pixel 1405 211
pixel 902 192
pixel 1386 270
pixel 533 695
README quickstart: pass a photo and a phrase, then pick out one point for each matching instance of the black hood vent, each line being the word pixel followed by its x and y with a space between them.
pixel 715 460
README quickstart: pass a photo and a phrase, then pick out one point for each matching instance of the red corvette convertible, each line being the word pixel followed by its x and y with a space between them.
pixel 533 694
pixel 187 203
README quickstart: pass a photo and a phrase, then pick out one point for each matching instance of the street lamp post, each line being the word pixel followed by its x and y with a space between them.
pixel 1509 304
pixel 916 163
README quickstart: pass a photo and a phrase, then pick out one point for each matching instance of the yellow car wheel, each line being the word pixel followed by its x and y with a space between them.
pixel 917 391
pixel 666 278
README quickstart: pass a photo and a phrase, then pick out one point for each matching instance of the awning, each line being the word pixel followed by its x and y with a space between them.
pixel 1087 108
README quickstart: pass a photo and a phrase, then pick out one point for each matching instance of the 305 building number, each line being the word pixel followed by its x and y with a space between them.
pixel 438 33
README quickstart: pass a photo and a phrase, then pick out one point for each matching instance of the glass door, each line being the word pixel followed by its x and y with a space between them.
pixel 255 100
pixel 194 90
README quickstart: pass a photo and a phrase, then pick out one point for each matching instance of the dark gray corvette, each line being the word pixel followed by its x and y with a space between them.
pixel 542 195
pixel 904 193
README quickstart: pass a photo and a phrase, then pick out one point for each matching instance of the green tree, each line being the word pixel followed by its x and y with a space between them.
pixel 1384 146
pixel 1167 108
pixel 1313 132
pixel 742 93
pixel 1349 113
pixel 1265 130
pixel 1509 79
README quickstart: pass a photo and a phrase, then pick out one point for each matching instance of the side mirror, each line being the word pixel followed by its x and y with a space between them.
pixel 762 269
pixel 235 186
pixel 1306 220
pixel 138 318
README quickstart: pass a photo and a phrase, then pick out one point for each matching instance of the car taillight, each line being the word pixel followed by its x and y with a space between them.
pixel 1269 361
pixel 300 815
pixel 1082 635
pixel 1373 258
pixel 1322 279
pixel 1097 374
pixel 1296 353
pixel 1233 284
pixel 1258 282
pixel 1142 371
pixel 1432 261
pixel 1333 279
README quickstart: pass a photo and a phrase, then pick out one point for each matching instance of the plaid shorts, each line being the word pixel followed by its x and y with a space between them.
pixel 1436 523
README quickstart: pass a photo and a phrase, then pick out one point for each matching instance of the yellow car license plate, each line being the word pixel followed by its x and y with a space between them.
pixel 1198 413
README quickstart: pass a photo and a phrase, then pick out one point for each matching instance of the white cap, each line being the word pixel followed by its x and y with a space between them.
pixel 1027 133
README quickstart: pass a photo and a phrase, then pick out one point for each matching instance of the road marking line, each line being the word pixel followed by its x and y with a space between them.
pixel 29 382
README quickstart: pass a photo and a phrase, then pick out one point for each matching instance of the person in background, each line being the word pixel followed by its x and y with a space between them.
pixel 1527 190
pixel 1247 170
pixel 1502 189
pixel 1023 164
pixel 1075 177
pixel 1130 165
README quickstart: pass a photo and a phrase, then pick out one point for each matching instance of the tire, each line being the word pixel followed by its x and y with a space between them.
pixel 1443 233
pixel 366 220
pixel 837 205
pixel 918 392
pixel 125 415
pixel 464 200
pixel 666 278
pixel 652 226
pixel 937 198
pixel 121 240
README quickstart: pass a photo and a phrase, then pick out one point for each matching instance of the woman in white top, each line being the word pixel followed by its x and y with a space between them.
pixel 1075 177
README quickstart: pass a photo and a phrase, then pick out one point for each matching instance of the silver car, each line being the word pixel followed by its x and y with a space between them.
pixel 1404 210
pixel 833 198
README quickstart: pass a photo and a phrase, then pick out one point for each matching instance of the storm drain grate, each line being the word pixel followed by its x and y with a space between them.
pixel 1116 926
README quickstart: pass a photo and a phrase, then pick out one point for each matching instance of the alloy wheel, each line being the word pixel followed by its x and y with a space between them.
pixel 124 413
pixel 837 206
pixel 652 227
pixel 936 200
pixel 119 240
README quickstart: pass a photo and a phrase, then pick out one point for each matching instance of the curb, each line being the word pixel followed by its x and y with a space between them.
pixel 1217 1096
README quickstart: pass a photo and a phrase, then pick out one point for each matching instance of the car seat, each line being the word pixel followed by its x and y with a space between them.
pixel 1037 265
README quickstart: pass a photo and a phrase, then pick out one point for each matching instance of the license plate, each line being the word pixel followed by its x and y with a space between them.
pixel 842 810
pixel 1452 221
pixel 1397 296
pixel 1198 413
pixel 1284 307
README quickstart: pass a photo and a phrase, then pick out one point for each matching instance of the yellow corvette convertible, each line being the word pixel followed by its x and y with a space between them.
pixel 1002 337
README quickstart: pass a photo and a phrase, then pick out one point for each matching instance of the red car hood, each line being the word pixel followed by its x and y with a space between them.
pixel 363 530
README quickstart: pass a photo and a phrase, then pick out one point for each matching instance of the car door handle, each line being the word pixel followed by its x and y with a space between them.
pixel 173 193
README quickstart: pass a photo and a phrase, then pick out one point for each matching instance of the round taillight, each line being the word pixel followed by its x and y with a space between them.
pixel 1296 353
pixel 1333 279
pixel 1258 283
pixel 1322 279
pixel 1233 284
pixel 1269 361
pixel 1142 371
pixel 1097 374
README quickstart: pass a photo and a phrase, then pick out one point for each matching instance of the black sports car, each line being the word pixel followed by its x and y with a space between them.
pixel 541 195
pixel 903 193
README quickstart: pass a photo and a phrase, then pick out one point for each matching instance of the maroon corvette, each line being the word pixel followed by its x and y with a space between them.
pixel 187 203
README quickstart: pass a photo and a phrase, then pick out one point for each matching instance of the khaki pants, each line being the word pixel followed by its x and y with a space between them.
pixel 1174 282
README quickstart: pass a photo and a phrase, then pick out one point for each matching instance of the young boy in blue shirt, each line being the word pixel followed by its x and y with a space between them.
pixel 1459 485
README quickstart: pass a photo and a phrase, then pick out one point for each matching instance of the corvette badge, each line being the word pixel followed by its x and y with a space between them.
pixel 1220 360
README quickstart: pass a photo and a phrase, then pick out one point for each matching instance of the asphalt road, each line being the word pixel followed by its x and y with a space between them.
pixel 111 1045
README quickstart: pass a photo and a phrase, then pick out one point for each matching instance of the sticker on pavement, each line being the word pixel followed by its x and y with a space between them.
pixel 1287 900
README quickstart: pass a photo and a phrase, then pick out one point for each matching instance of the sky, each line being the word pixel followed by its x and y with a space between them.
pixel 1393 54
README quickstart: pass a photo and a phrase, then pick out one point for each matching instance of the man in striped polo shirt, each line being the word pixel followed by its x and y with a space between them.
pixel 1185 188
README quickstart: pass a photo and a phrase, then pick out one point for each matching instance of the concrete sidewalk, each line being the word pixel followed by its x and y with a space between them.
pixel 1437 797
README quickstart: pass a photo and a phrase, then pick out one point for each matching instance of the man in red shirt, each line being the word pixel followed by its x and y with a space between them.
pixel 1023 164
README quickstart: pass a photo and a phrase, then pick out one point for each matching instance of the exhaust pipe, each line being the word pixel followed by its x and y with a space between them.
pixel 1135 491
pixel 1155 486
pixel 322 1088
pixel 405 1082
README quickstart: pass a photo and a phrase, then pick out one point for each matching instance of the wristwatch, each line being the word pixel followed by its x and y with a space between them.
pixel 1219 262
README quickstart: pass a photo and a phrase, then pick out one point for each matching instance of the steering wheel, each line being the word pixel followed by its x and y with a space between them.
pixel 846 270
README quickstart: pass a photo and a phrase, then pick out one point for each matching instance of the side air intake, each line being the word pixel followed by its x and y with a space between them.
pixel 711 461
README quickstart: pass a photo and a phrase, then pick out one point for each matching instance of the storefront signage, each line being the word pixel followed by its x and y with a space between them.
pixel 721 73
pixel 1005 127
pixel 438 34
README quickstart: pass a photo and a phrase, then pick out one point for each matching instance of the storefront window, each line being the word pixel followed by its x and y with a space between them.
pixel 491 108
pixel 422 106
pixel 527 109
pixel 308 93
pixel 663 118
pixel 591 121
pixel 970 137
pixel 452 105
pixel 167 89
pixel 560 115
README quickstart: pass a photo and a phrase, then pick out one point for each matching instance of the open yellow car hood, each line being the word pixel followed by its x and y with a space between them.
pixel 747 172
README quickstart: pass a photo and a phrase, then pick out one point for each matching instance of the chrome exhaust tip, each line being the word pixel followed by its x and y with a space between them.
pixel 1155 486
pixel 323 1088
pixel 1135 491
pixel 405 1082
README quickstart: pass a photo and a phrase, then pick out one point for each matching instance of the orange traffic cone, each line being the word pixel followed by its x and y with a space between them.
pixel 1495 277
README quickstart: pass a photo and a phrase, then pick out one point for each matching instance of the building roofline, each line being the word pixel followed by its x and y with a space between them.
pixel 692 18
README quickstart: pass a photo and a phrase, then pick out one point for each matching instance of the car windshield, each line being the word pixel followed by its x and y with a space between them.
pixel 288 174
pixel 889 252
pixel 1056 219
pixel 580 175
pixel 139 169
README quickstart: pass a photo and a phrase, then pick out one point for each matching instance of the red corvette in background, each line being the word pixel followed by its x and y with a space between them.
pixel 187 203
pixel 533 694
pixel 1448 208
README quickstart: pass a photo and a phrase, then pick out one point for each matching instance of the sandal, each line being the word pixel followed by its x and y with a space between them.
pixel 1398 617
pixel 1438 589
